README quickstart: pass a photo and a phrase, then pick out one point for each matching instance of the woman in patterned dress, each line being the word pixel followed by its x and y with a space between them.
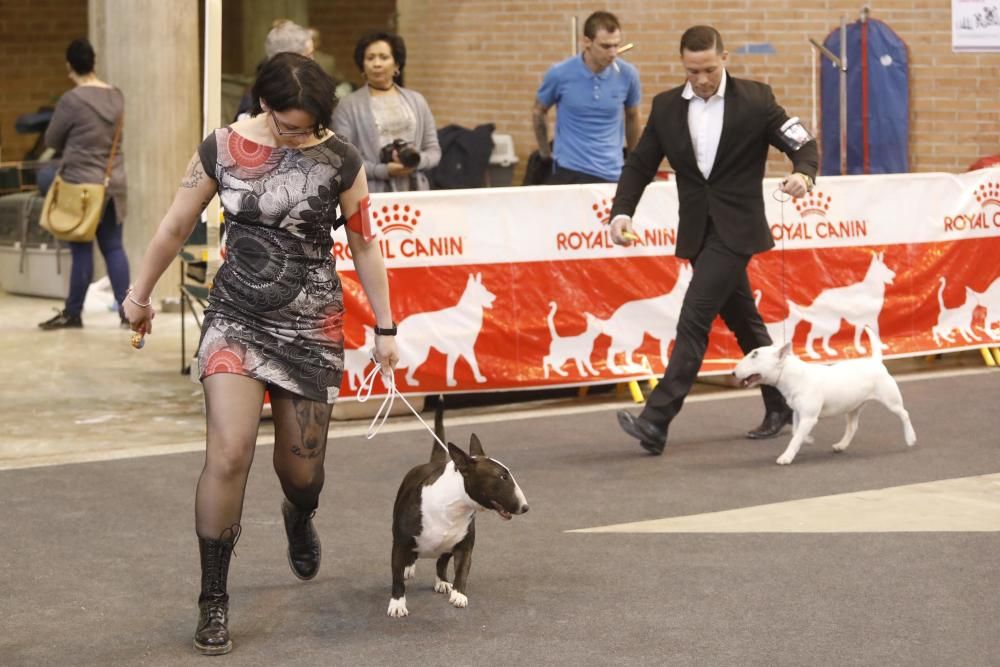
pixel 275 315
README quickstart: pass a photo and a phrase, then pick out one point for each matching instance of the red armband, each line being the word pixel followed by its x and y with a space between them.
pixel 361 221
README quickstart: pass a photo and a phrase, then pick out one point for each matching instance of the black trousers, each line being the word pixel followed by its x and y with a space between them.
pixel 719 286
pixel 564 176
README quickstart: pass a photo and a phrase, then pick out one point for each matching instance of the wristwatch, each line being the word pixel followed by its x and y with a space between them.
pixel 809 181
pixel 391 331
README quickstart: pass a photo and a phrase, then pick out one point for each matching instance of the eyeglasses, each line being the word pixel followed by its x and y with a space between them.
pixel 286 133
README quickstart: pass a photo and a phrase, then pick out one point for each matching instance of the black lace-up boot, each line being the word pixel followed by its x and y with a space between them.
pixel 304 549
pixel 212 635
pixel 62 320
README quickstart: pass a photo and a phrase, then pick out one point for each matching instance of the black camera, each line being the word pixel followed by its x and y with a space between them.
pixel 408 155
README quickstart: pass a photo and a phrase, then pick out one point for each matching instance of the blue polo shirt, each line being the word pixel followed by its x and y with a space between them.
pixel 590 114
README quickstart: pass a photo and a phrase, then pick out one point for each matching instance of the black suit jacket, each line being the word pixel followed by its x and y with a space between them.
pixel 732 194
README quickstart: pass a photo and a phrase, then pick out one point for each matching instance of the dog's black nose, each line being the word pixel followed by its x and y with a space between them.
pixel 524 508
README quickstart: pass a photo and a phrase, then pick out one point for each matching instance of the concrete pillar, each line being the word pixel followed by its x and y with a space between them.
pixel 258 15
pixel 149 50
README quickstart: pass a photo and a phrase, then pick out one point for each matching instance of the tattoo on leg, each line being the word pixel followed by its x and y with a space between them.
pixel 312 420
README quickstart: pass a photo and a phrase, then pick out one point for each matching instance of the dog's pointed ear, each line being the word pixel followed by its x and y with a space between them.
pixel 785 349
pixel 476 447
pixel 461 459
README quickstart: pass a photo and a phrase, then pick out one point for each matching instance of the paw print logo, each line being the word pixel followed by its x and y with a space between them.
pixel 814 203
pixel 396 217
pixel 602 210
pixel 988 193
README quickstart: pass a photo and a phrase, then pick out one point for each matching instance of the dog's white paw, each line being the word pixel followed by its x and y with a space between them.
pixel 409 571
pixel 397 608
pixel 785 459
pixel 458 600
pixel 441 586
pixel 839 447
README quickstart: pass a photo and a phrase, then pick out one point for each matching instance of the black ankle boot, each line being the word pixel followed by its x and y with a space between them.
pixel 304 550
pixel 63 320
pixel 212 635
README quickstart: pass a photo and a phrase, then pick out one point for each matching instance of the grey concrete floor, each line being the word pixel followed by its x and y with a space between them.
pixel 101 449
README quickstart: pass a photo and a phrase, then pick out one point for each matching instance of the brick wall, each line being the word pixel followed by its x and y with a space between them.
pixel 481 61
pixel 342 22
pixel 33 40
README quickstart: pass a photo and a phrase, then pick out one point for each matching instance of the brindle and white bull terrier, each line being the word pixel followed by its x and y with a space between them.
pixel 435 511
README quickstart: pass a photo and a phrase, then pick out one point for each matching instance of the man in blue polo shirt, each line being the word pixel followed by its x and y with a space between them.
pixel 597 99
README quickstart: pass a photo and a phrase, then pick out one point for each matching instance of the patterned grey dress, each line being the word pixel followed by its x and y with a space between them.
pixel 276 309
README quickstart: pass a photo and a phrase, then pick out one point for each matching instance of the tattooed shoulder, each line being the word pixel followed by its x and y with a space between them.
pixel 194 175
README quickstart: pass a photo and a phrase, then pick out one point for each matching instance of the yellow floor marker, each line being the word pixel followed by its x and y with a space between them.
pixel 987 357
pixel 633 387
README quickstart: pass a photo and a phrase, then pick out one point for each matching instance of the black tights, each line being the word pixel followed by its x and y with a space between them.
pixel 232 404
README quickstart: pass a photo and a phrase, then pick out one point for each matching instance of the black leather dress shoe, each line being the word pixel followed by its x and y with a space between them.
pixel 652 438
pixel 62 320
pixel 772 425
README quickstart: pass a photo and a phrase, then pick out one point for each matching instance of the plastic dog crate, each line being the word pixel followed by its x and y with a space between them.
pixel 502 161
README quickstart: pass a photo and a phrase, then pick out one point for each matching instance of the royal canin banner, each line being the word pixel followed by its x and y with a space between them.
pixel 519 288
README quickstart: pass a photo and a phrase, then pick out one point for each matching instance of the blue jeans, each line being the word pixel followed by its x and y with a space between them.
pixel 109 240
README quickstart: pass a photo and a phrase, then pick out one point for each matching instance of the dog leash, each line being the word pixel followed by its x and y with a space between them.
pixel 776 195
pixel 389 382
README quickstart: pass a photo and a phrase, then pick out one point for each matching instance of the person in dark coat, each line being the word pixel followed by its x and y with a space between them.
pixel 715 130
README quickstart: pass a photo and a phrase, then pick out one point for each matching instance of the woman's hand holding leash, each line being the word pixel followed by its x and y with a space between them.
pixel 386 354
pixel 385 348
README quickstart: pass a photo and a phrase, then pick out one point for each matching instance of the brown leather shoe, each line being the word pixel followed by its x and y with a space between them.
pixel 771 426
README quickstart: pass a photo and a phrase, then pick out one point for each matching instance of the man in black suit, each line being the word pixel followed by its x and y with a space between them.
pixel 715 131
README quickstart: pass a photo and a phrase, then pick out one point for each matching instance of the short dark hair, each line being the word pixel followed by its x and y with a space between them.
pixel 396 45
pixel 600 21
pixel 701 38
pixel 290 81
pixel 80 56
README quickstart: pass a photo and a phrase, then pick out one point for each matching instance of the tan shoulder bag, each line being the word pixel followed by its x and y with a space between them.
pixel 72 211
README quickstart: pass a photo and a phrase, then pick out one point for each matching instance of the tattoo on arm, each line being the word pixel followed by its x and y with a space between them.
pixel 541 130
pixel 194 174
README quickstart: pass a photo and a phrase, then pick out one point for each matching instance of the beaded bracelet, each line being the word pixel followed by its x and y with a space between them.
pixel 128 295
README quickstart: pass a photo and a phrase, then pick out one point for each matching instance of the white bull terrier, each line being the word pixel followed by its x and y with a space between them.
pixel 814 391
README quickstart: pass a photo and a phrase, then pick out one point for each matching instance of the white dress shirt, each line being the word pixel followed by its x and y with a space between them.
pixel 705 123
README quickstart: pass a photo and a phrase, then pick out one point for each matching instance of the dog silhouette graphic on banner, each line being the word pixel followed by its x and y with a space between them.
pixel 780 331
pixel 452 331
pixel 957 319
pixel 656 316
pixel 859 303
pixel 576 348
pixel 357 359
pixel 989 299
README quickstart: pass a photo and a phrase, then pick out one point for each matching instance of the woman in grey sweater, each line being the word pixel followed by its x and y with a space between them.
pixel 83 128
pixel 382 113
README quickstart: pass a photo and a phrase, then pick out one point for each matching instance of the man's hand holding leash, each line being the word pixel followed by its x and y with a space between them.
pixel 796 185
pixel 621 231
